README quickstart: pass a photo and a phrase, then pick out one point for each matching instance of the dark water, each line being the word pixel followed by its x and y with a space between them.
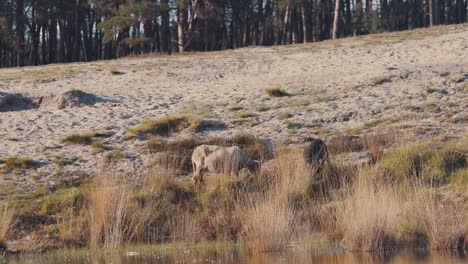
pixel 229 255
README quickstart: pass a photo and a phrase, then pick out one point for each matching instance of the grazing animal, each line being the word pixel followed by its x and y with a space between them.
pixel 229 160
pixel 315 154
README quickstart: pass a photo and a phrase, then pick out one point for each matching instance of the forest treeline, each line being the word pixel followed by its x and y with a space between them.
pixel 34 32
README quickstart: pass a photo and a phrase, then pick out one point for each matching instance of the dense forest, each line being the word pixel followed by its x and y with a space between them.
pixel 34 32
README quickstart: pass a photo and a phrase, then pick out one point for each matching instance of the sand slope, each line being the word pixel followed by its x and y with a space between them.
pixel 330 85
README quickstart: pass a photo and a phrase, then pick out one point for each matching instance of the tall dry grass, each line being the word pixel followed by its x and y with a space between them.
pixel 271 218
pixel 442 221
pixel 383 205
pixel 107 208
pixel 368 214
pixel 6 220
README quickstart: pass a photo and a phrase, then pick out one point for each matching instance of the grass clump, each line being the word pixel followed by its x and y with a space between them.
pixel 431 108
pixel 277 92
pixel 379 80
pixel 61 160
pixel 62 200
pixel 98 147
pixel 17 164
pixel 246 115
pixel 443 73
pixel 115 155
pixel 116 72
pixel 174 124
pixel 174 156
pixel 458 78
pixel 234 108
pixel 79 139
pixel 298 103
pixel 423 162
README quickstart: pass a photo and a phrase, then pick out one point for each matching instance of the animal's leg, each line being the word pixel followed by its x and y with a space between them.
pixel 196 175
pixel 202 180
pixel 199 176
pixel 195 184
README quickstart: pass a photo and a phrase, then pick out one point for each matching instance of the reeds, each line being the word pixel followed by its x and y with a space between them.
pixel 6 220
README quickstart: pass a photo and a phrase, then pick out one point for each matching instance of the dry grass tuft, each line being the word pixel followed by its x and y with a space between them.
pixel 277 92
pixel 269 225
pixel 368 215
pixel 442 223
pixel 271 219
pixel 17 164
pixel 6 221
pixel 107 210
pixel 78 139
pixel 98 147
pixel 458 78
pixel 344 143
pixel 234 108
pixel 379 80
pixel 174 124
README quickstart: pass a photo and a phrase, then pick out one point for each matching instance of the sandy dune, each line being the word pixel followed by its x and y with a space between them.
pixel 424 95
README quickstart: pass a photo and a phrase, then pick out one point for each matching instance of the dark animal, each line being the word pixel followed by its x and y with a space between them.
pixel 315 154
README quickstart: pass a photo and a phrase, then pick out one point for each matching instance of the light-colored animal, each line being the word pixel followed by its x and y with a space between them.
pixel 217 159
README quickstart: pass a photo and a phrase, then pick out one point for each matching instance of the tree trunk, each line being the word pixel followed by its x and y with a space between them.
pixel 336 18
pixel 20 32
pixel 431 20
pixel 181 21
pixel 165 33
pixel 304 22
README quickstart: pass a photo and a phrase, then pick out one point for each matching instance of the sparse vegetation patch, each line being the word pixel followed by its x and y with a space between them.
pixel 379 80
pixel 174 124
pixel 79 139
pixel 277 92
pixel 17 164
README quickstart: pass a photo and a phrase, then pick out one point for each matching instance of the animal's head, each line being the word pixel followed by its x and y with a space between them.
pixel 253 166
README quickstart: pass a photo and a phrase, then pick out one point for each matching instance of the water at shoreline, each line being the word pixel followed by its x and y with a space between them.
pixel 234 254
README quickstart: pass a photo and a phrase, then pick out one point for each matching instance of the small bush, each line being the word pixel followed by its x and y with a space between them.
pixel 277 92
